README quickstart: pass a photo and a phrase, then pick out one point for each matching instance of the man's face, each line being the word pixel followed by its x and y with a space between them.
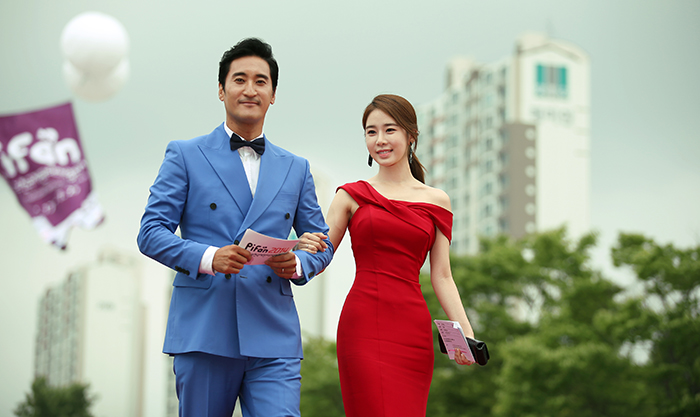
pixel 247 94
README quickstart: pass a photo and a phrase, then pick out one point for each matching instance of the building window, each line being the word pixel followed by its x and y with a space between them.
pixel 487 189
pixel 503 158
pixel 452 141
pixel 530 152
pixel 503 203
pixel 530 134
pixel 551 81
pixel 503 225
pixel 503 181
pixel 503 135
pixel 530 190
pixel 530 227
pixel 451 161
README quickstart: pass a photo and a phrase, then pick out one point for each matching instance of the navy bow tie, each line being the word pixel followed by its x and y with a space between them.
pixel 258 144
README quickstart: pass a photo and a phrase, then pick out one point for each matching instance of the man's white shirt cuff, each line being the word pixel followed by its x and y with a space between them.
pixel 206 264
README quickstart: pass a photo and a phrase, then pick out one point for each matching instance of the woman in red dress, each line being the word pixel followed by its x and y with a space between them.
pixel 385 344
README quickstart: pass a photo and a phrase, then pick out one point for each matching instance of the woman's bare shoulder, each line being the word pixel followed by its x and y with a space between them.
pixel 436 196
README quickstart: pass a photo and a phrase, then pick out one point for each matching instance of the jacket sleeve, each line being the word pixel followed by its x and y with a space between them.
pixel 309 218
pixel 157 236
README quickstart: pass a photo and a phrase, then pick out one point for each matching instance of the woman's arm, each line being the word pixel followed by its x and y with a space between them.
pixel 446 289
pixel 339 214
pixel 444 285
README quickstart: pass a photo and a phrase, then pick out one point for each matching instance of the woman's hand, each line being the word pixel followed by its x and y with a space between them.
pixel 312 242
pixel 461 358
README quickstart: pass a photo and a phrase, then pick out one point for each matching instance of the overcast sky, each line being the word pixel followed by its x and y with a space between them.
pixel 334 57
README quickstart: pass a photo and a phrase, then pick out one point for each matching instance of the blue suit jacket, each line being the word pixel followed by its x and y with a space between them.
pixel 202 189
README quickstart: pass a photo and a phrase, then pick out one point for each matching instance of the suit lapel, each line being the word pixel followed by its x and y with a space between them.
pixel 228 167
pixel 274 167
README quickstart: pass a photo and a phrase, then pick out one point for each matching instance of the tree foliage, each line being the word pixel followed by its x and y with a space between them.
pixel 671 320
pixel 565 341
pixel 320 384
pixel 48 401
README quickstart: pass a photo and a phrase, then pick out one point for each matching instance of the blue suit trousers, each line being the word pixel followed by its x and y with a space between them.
pixel 208 385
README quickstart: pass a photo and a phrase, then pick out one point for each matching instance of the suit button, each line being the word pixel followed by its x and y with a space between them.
pixel 286 216
pixel 236 242
pixel 228 276
pixel 212 206
pixel 311 274
pixel 269 279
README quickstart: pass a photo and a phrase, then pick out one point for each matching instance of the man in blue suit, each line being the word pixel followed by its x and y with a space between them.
pixel 233 328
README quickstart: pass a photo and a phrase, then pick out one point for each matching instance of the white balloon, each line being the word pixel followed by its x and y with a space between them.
pixel 95 43
pixel 96 87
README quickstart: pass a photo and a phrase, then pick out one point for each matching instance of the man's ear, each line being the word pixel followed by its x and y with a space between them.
pixel 272 99
pixel 221 92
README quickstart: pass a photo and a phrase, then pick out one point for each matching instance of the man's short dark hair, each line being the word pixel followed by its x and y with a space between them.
pixel 249 47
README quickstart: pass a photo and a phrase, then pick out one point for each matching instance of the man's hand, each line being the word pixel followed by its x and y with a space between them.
pixel 230 259
pixel 284 265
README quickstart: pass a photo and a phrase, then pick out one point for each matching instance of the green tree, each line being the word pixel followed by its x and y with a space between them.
pixel 320 387
pixel 47 401
pixel 669 322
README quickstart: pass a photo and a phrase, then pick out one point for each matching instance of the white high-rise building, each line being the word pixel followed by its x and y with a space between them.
pixel 91 331
pixel 509 142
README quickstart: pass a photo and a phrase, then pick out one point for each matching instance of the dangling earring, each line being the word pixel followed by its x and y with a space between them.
pixel 410 157
pixel 369 160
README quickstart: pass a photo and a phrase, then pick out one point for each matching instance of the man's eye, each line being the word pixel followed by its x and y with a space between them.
pixel 262 82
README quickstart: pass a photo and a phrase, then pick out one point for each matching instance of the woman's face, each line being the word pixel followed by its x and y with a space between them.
pixel 386 141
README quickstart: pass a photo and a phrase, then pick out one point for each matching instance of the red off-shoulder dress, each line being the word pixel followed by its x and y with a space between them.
pixel 385 342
